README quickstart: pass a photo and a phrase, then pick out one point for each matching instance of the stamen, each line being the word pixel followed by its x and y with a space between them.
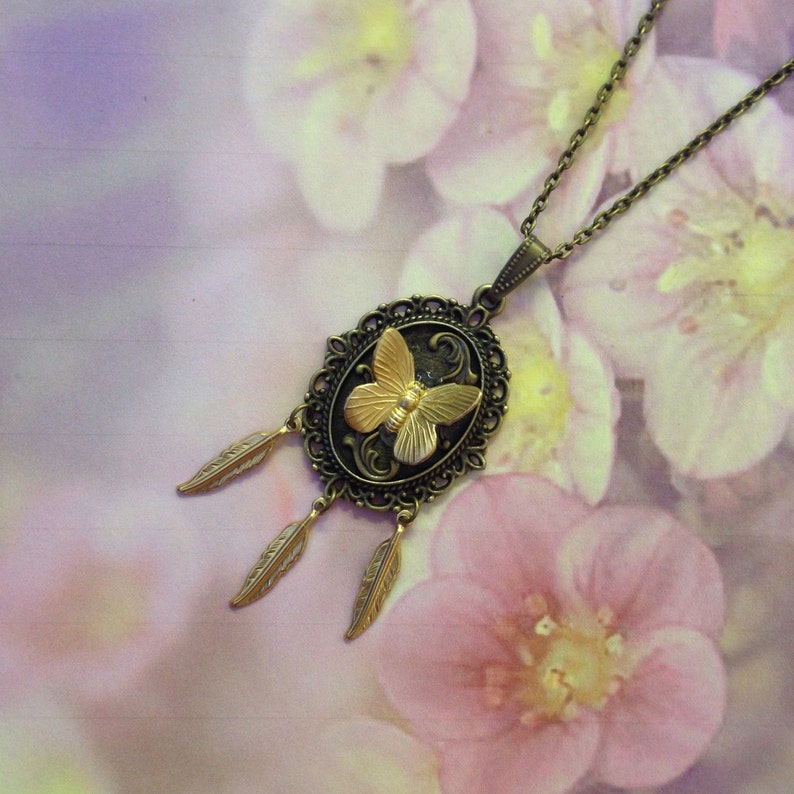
pixel 536 605
pixel 605 616
pixel 560 664
pixel 525 655
pixel 614 645
pixel 529 718
pixel 545 626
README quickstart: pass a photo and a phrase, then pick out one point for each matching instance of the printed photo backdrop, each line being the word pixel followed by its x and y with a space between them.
pixel 195 195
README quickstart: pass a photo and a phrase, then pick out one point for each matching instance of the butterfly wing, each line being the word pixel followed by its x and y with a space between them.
pixel 370 404
pixel 392 363
pixel 445 404
pixel 416 440
pixel 442 405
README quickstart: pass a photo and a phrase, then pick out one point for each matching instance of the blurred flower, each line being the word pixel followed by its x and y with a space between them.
pixel 363 755
pixel 754 34
pixel 693 292
pixel 344 89
pixel 563 402
pixel 752 752
pixel 555 643
pixel 537 73
pixel 91 592
pixel 43 752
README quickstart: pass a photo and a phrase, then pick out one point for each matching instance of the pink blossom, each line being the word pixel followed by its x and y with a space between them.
pixel 692 291
pixel 555 643
pixel 538 71
pixel 344 89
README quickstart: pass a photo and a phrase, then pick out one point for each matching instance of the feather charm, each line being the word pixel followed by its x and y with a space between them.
pixel 238 458
pixel 280 555
pixel 378 579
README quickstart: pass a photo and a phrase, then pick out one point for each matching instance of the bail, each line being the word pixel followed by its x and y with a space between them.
pixel 526 259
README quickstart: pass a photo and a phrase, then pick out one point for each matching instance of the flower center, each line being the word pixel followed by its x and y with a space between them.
pixel 543 401
pixel 560 665
pixel 383 33
pixel 737 278
pixel 589 55
pixel 371 41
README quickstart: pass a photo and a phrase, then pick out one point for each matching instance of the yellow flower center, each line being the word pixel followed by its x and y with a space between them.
pixel 589 55
pixel 737 278
pixel 371 41
pixel 542 402
pixel 383 32
pixel 560 665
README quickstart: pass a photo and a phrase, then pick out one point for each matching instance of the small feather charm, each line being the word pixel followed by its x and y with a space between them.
pixel 238 458
pixel 378 579
pixel 279 556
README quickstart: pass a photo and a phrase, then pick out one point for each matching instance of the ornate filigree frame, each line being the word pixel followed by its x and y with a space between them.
pixel 450 341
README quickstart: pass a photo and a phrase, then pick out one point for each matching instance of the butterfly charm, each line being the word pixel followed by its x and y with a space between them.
pixel 403 405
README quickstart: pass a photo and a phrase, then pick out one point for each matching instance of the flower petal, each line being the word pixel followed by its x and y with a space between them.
pixel 544 760
pixel 735 423
pixel 480 236
pixel 476 161
pixel 511 524
pixel 407 120
pixel 646 567
pixel 666 714
pixel 715 88
pixel 329 146
pixel 589 448
pixel 610 291
pixel 778 372
pixel 438 640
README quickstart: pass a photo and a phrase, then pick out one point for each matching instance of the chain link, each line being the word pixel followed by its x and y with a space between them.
pixel 624 202
pixel 591 118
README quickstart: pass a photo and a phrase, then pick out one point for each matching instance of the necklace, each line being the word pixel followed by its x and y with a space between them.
pixel 406 401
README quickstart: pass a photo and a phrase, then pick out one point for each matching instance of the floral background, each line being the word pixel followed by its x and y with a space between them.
pixel 195 195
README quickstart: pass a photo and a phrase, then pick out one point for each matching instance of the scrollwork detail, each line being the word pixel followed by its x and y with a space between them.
pixel 371 457
pixel 457 356
pixel 372 478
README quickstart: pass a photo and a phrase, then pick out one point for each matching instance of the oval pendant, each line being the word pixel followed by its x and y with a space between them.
pixel 439 355
pixel 403 405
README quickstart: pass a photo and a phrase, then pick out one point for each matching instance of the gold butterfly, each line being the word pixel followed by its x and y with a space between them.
pixel 404 405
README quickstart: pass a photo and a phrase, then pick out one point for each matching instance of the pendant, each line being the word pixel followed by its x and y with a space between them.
pixel 403 405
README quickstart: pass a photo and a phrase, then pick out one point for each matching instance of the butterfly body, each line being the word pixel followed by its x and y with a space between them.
pixel 409 401
pixel 403 405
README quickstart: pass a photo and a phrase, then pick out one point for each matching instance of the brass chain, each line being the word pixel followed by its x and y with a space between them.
pixel 533 254
pixel 604 218
pixel 591 118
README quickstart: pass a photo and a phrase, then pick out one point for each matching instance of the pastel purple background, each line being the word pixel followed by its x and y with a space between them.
pixel 194 196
